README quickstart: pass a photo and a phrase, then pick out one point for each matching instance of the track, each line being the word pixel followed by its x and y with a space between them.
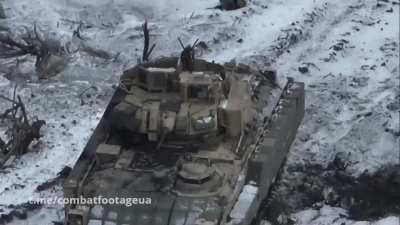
pixel 340 92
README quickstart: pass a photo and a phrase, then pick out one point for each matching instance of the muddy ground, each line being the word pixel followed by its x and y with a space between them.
pixel 370 196
pixel 346 52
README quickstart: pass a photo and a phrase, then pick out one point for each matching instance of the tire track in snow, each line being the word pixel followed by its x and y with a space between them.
pixel 347 101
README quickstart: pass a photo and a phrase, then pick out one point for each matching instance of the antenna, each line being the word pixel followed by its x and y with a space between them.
pixel 180 42
pixel 195 43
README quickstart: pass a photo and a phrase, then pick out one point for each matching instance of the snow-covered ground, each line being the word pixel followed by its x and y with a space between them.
pixel 350 49
pixel 361 78
pixel 334 216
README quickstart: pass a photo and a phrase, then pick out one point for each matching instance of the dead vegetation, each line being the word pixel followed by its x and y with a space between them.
pixel 20 132
pixel 83 45
pixel 367 197
pixel 52 56
pixel 146 51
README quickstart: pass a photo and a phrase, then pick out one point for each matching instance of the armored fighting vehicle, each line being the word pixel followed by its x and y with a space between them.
pixel 194 142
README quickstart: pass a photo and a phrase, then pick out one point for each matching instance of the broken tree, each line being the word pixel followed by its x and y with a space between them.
pixel 146 51
pixel 51 56
pixel 20 133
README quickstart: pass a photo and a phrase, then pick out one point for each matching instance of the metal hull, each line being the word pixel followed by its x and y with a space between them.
pixel 238 203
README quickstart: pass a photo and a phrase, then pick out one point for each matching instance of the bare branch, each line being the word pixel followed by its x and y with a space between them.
pixel 77 32
pixel 180 42
pixel 23 110
pixel 151 50
pixel 21 133
pixel 50 54
pixel 146 42
pixel 195 43
pixel 12 47
pixel 92 51
pixel 8 99
pixel 37 35
pixel 146 51
pixel 84 91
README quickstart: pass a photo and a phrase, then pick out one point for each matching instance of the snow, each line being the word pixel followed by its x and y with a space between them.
pixel 341 130
pixel 340 92
pixel 4 82
pixel 244 202
pixel 261 29
pixel 336 216
pixel 97 211
pixel 60 146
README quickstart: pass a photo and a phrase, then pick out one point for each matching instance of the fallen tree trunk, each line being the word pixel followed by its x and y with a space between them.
pixel 95 52
pixel 82 45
